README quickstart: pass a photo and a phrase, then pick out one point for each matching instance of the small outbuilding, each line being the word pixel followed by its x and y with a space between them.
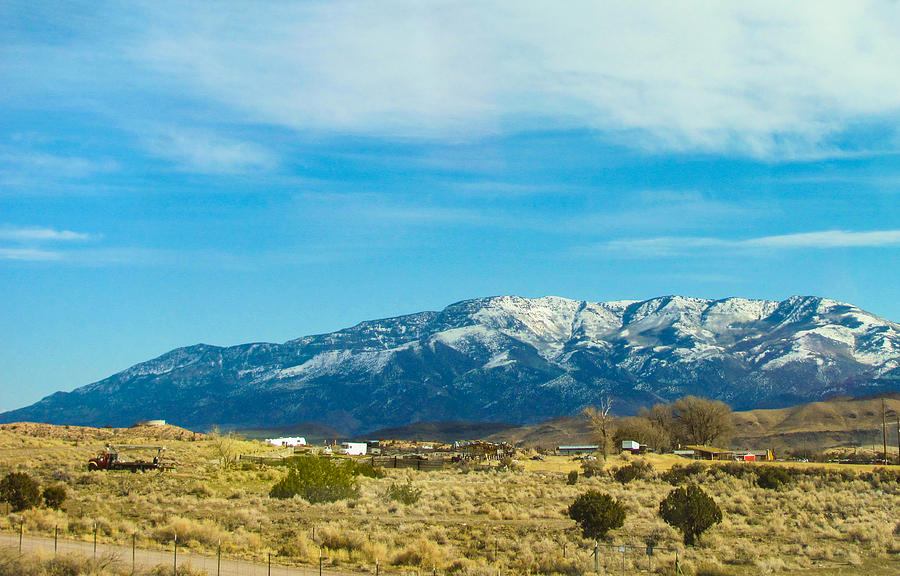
pixel 757 455
pixel 570 450
pixel 711 453
pixel 634 447
pixel 155 423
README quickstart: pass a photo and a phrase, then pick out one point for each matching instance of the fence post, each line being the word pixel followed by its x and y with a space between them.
pixel 96 527
pixel 320 561
pixel 55 538
pixel 596 557
pixel 175 556
pixel 269 572
pixel 219 558
pixel 133 546
pixel 21 534
pixel 376 567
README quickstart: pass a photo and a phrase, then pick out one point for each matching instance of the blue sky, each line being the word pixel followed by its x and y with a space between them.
pixel 236 172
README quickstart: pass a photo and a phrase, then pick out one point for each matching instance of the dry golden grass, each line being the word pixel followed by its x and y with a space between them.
pixel 466 523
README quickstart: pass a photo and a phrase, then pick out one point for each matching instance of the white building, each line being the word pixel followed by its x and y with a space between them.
pixel 291 441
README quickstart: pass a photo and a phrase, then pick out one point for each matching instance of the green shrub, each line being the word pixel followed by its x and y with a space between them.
pixel 772 477
pixel 20 490
pixel 596 514
pixel 54 496
pixel 678 474
pixel 691 511
pixel 637 470
pixel 404 493
pixel 572 478
pixel 509 463
pixel 363 468
pixel 317 479
pixel 879 476
pixel 737 469
pixel 591 468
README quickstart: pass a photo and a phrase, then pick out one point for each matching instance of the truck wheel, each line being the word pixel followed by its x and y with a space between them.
pixel 92 466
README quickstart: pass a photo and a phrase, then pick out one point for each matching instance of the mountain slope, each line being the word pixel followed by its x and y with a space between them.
pixel 505 359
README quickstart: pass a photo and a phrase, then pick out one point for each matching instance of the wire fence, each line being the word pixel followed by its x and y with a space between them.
pixel 178 558
pixel 602 558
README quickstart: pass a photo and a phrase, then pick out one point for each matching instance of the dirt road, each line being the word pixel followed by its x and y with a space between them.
pixel 144 558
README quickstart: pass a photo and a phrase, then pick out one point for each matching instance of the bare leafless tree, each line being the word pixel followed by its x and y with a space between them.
pixel 226 446
pixel 600 421
pixel 701 421
pixel 644 430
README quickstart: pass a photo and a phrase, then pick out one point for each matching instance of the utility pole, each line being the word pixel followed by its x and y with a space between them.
pixel 884 431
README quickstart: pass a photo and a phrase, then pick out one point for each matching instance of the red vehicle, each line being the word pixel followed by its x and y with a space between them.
pixel 109 459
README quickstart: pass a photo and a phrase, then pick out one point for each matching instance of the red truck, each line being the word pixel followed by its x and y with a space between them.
pixel 109 459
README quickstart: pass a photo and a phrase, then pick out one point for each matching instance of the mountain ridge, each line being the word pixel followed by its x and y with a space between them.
pixel 505 358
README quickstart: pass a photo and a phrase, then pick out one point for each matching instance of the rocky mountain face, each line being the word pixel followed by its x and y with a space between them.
pixel 505 359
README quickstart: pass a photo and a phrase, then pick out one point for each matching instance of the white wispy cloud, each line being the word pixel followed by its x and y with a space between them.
pixel 681 246
pixel 22 165
pixel 667 210
pixel 29 244
pixel 203 151
pixel 29 254
pixel 373 210
pixel 41 235
pixel 764 78
pixel 828 239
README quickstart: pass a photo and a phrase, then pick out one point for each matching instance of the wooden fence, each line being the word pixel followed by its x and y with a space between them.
pixel 430 465
pixel 273 457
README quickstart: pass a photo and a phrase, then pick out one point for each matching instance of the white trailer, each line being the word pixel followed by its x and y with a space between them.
pixel 353 448
pixel 630 445
pixel 287 441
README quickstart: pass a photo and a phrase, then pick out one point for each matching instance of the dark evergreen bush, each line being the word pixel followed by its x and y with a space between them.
pixel 691 511
pixel 596 514
pixel 637 470
pixel 772 477
pixel 677 474
pixel 572 478
pixel 54 496
pixel 20 490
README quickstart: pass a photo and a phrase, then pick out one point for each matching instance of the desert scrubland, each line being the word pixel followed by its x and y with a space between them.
pixel 466 519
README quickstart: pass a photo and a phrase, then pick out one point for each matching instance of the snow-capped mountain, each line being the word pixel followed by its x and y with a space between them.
pixel 506 359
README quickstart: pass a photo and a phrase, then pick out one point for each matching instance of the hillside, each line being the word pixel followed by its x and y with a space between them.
pixel 505 359
pixel 819 425
pixel 835 422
